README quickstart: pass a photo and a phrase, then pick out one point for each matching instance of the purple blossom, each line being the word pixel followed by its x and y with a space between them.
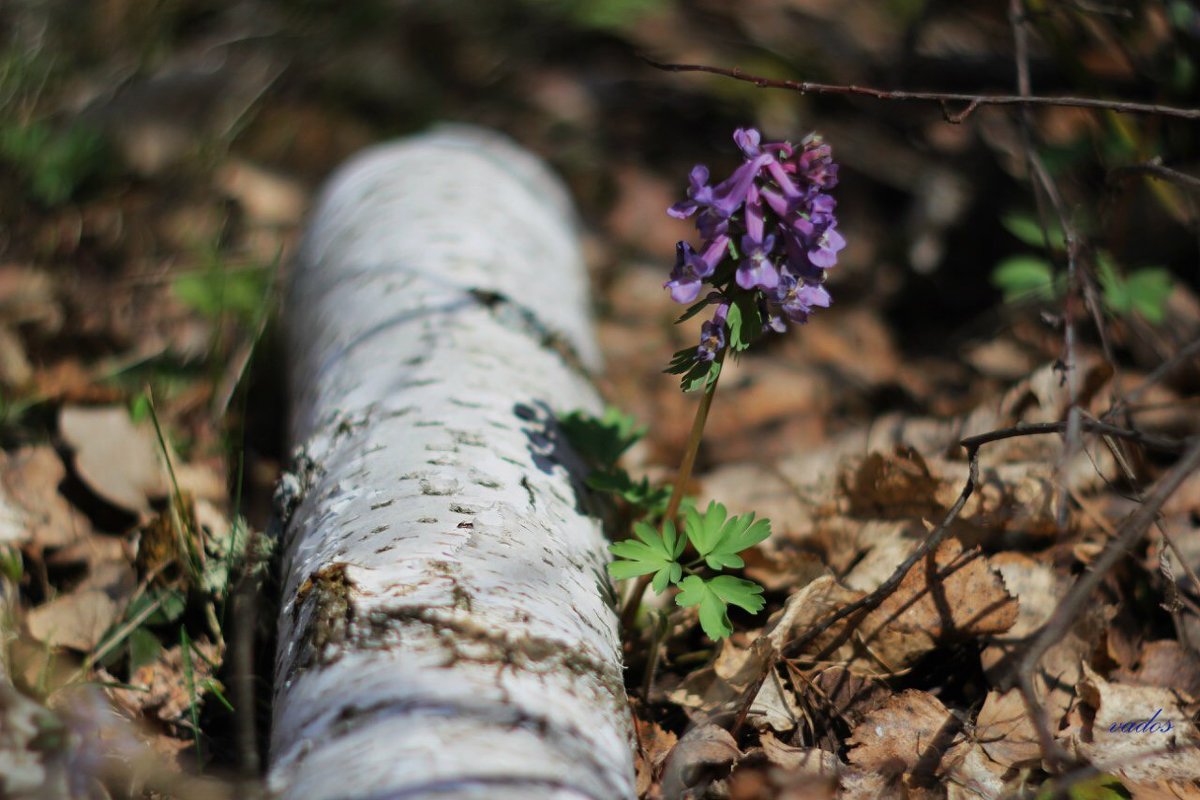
pixel 796 299
pixel 756 270
pixel 776 205
pixel 712 335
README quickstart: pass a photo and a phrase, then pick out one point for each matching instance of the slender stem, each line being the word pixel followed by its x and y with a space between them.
pixel 634 601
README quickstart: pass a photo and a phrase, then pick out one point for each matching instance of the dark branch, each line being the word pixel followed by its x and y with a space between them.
pixel 972 101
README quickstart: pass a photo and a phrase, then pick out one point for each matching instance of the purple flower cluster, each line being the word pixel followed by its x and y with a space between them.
pixel 774 218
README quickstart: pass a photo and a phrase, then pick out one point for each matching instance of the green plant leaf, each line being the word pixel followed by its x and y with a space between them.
pixel 1029 230
pixel 719 541
pixel 745 323
pixel 1097 787
pixel 714 597
pixel 692 311
pixel 652 499
pixel 651 552
pixel 1020 277
pixel 702 375
pixel 1112 283
pixel 144 647
pixel 1148 290
pixel 601 441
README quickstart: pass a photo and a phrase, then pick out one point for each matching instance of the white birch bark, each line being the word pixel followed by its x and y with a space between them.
pixel 444 629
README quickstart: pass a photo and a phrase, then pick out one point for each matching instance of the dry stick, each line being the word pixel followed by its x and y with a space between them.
pixel 1164 443
pixel 973 101
pixel 1130 532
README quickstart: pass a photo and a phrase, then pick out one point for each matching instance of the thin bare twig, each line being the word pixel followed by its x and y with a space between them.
pixel 973 101
pixel 1164 443
pixel 1155 169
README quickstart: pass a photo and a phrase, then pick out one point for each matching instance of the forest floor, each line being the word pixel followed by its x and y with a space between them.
pixel 156 164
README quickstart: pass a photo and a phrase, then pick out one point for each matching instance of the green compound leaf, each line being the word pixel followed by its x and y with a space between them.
pixel 641 494
pixel 651 552
pixel 601 441
pixel 745 323
pixel 719 541
pixel 1097 787
pixel 714 597
pixel 1029 231
pixel 1148 291
pixel 692 311
pixel 1021 277
pixel 1144 291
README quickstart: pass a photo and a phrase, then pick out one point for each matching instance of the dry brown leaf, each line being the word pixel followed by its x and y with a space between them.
pixel 908 734
pixel 882 544
pixel 1144 733
pixel 27 297
pixel 77 620
pixel 722 685
pixel 119 461
pixel 850 695
pixel 162 689
pixel 15 369
pixel 1004 731
pixel 968 774
pixel 705 753
pixel 808 606
pixel 950 595
pixel 752 487
pixel 1164 790
pixel 1166 664
pixel 1060 668
pixel 1035 585
pixel 266 197
pixel 30 477
pixel 654 745
pixel 859 784
pixel 894 486
pixel 807 760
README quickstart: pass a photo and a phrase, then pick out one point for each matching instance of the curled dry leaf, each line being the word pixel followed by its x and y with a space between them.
pixel 704 754
pixel 119 461
pixel 1143 733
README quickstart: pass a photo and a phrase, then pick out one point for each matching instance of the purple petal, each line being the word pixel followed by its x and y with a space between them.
pixel 684 290
pixel 747 139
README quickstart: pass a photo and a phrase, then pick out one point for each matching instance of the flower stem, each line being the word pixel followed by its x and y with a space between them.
pixel 634 601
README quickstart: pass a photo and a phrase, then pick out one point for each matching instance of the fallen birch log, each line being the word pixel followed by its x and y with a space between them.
pixel 444 628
